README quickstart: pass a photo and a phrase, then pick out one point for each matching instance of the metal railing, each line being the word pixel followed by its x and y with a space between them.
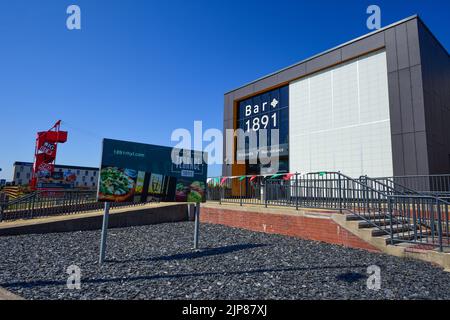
pixel 436 185
pixel 398 214
pixel 51 203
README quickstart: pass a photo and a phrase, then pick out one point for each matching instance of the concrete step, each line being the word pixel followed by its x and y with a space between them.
pixel 369 224
pixel 397 228
pixel 366 215
pixel 406 236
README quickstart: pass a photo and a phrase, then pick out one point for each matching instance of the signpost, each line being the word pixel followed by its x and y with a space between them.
pixel 197 225
pixel 138 173
pixel 104 233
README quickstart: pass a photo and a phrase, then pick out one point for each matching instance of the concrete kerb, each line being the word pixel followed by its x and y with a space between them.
pixel 6 295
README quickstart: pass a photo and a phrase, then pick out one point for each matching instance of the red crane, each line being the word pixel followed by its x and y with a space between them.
pixel 45 153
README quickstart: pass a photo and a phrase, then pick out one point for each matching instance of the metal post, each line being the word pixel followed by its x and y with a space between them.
pixel 220 194
pixel 296 191
pixel 104 233
pixel 240 193
pixel 197 225
pixel 340 193
pixel 391 220
pixel 441 249
pixel 265 192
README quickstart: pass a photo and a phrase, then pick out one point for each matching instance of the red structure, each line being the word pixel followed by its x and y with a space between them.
pixel 45 153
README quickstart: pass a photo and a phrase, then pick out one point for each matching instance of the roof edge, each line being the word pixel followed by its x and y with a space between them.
pixel 415 16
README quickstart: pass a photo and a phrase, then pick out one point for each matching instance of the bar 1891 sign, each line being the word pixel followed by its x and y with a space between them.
pixel 138 173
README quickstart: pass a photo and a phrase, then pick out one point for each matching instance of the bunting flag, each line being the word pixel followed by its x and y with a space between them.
pixel 321 174
pixel 277 175
pixel 288 176
pixel 242 178
pixel 223 180
pixel 253 178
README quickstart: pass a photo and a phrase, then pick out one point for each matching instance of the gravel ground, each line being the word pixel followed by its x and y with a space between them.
pixel 157 262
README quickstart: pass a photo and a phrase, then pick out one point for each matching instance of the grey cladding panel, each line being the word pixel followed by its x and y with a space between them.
pixel 228 106
pixel 362 46
pixel 391 50
pixel 324 61
pixel 243 92
pixel 292 73
pixel 397 155
pixel 413 42
pixel 394 102
pixel 409 157
pixel 417 98
pixel 421 152
pixel 266 83
pixel 402 46
pixel 406 100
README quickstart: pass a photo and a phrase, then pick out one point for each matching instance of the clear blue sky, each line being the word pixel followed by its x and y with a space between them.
pixel 139 69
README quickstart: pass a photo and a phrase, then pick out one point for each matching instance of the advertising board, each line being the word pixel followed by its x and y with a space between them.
pixel 137 172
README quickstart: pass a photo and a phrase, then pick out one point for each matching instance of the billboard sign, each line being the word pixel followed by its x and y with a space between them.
pixel 56 180
pixel 137 172
pixel 269 110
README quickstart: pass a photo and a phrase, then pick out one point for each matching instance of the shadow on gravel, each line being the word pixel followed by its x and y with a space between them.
pixel 196 254
pixel 351 277
pixel 43 283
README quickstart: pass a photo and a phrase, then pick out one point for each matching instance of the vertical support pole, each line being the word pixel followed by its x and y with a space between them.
pixel 197 225
pixel 266 192
pixel 220 193
pixel 30 206
pixel 104 233
pixel 438 209
pixel 391 220
pixel 340 192
pixel 240 193
pixel 297 193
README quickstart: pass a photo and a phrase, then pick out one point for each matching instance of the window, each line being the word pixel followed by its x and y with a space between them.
pixel 78 172
pixel 95 172
pixel 92 179
pixel 28 176
pixel 21 169
pixel 18 175
pixel 84 178
pixel 86 173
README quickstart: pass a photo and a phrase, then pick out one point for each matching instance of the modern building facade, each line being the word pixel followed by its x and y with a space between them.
pixel 378 105
pixel 82 177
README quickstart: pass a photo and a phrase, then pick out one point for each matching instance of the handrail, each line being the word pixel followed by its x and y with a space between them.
pixel 401 213
pixel 418 193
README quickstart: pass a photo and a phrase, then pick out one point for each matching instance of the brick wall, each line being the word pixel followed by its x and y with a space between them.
pixel 311 228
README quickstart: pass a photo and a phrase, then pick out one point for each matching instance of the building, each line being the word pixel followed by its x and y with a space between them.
pixel 378 105
pixel 83 177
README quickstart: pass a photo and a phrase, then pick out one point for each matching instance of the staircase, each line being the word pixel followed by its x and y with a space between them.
pixel 382 228
pixel 387 214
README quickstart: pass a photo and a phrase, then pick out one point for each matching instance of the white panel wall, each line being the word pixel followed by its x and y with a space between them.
pixel 339 120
